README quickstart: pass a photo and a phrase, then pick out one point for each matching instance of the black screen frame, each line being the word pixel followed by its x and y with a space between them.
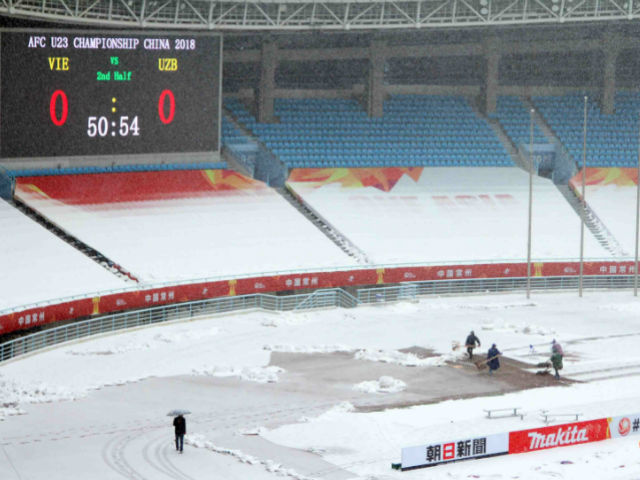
pixel 78 156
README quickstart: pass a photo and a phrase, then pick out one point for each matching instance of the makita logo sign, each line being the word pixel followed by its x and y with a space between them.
pixel 558 435
pixel 562 436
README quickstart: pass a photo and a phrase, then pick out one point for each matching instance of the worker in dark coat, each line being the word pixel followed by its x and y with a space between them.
pixel 470 343
pixel 493 360
pixel 180 426
pixel 556 357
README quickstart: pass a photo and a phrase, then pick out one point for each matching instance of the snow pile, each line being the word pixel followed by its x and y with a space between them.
pixel 384 384
pixel 185 335
pixel 400 358
pixel 199 441
pixel 261 374
pixel 140 340
pixel 342 407
pixel 10 397
pixel 267 374
pixel 253 431
pixel 286 318
pixel 529 329
pixel 114 350
pixel 308 348
pixel 404 306
pixel 536 330
pixel 626 308
pixel 497 305
pixel 13 393
pixel 270 322
pixel 9 411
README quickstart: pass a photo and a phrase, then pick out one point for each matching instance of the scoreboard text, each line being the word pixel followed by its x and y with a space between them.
pixel 87 93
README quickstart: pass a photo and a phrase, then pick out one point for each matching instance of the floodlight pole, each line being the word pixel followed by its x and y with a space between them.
pixel 530 203
pixel 635 271
pixel 583 202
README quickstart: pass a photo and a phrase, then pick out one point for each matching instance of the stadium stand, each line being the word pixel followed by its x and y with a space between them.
pixel 181 224
pixel 416 130
pixel 403 215
pixel 612 140
pixel 42 266
pixel 238 143
pixel 250 157
pixel 514 117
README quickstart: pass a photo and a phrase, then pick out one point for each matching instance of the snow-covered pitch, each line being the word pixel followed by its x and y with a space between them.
pixel 323 394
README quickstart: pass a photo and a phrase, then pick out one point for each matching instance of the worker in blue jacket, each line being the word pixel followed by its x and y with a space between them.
pixel 493 360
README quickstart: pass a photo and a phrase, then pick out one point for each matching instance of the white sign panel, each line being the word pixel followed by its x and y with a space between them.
pixel 625 425
pixel 454 451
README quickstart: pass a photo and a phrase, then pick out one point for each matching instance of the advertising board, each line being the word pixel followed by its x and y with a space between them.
pixel 453 451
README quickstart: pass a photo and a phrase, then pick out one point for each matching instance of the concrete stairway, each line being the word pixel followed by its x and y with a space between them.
pixel 325 227
pixel 502 135
pixel 252 157
pixel 593 223
pixel 569 166
pixel 79 245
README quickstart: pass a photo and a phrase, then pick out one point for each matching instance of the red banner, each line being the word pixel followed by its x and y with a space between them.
pixel 106 188
pixel 558 436
pixel 115 302
pixel 603 176
pixel 383 179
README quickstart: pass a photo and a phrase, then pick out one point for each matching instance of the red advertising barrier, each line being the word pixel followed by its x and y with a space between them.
pixel 558 436
pixel 520 441
pixel 109 303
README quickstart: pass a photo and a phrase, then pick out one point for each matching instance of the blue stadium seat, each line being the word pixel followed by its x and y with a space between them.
pixel 415 129
pixel 611 139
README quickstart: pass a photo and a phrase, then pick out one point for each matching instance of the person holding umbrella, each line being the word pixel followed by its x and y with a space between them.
pixel 179 426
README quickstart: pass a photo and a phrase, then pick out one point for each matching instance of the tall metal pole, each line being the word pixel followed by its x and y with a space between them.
pixel 583 203
pixel 530 202
pixel 635 274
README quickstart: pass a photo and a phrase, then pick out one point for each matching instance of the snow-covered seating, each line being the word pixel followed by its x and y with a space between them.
pixel 38 266
pixel 182 225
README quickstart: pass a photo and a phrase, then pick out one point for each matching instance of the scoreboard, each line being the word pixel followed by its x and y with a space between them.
pixel 91 93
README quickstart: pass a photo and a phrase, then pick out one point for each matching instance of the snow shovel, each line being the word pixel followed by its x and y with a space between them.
pixel 482 364
pixel 546 366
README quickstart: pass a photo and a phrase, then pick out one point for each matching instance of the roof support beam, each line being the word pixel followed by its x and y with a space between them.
pixel 322 15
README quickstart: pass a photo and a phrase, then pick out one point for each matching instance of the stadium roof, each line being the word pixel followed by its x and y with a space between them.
pixel 282 15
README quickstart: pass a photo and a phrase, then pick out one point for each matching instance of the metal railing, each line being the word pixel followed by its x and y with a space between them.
pixel 275 273
pixel 328 298
pixel 411 291
pixel 7 183
pixel 323 298
pixel 334 297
